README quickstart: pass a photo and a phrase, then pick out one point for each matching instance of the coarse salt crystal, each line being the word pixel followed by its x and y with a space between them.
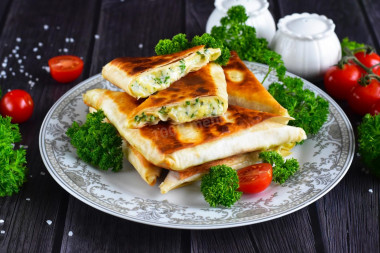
pixel 19 61
pixel 70 233
pixel 14 51
pixel 46 27
pixel 18 39
pixel 58 27
pixel 38 57
pixel 13 73
pixel 27 199
pixel 4 65
pixel 21 70
pixel 49 222
pixel 141 45
pixel 370 190
pixel 10 69
pixel 46 68
pixel 96 36
pixel 24 57
pixel 67 40
pixel 65 50
pixel 60 50
pixel 1 221
pixel 40 44
pixel 16 55
pixel 17 47
pixel 43 173
pixel 35 49
pixel 2 232
pixel 72 40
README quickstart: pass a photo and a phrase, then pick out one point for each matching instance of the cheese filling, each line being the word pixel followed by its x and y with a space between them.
pixel 161 78
pixel 188 111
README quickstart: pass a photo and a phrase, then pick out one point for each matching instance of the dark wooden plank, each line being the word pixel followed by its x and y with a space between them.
pixel 89 230
pixel 123 26
pixel 197 13
pixel 372 16
pixel 33 32
pixel 222 240
pixel 292 233
pixel 349 213
pixel 133 28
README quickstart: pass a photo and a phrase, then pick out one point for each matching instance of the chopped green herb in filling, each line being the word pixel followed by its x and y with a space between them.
pixel 163 110
pixel 182 66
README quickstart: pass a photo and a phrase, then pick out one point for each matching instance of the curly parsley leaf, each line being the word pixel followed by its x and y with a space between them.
pixel 309 111
pixel 282 170
pixel 369 142
pixel 12 161
pixel 219 186
pixel 97 142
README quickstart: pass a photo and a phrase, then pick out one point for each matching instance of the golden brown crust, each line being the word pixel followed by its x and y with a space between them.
pixel 134 66
pixel 168 137
pixel 194 85
pixel 245 90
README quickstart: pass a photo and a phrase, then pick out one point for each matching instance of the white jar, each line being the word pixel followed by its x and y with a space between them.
pixel 258 16
pixel 307 43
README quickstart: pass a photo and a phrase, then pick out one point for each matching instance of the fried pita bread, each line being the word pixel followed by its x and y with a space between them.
pixel 140 77
pixel 181 146
pixel 198 95
pixel 245 90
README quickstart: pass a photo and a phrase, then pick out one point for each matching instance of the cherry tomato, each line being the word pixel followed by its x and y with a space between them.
pixel 65 68
pixel 375 109
pixel 255 178
pixel 339 82
pixel 369 60
pixel 362 98
pixel 17 104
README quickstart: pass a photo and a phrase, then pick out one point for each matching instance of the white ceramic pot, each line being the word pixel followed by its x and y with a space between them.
pixel 307 43
pixel 258 16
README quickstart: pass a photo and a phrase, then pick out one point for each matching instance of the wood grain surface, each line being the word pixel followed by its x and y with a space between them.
pixel 43 217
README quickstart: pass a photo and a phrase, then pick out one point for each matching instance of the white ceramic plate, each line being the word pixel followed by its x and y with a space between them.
pixel 324 160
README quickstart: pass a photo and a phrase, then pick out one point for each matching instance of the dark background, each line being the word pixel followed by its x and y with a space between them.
pixel 344 220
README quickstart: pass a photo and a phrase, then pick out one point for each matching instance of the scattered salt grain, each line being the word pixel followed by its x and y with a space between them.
pixel 37 79
pixel 46 27
pixel 70 233
pixel 27 199
pixel 46 68
pixel 1 221
pixel 31 84
pixel 370 191
pixel 67 40
pixel 10 69
pixel 121 0
pixel 71 40
pixel 24 146
pixel 21 70
pixel 60 50
pixel 2 232
pixel 65 50
pixel 14 51
pixel 4 64
pixel 58 27
pixel 96 36
pixel 24 57
pixel 49 222
pixel 13 74
pixel 16 55
pixel 43 173
pixel 35 49
pixel 40 44
pixel 18 39
pixel 17 47
pixel 19 61
pixel 38 57
pixel 30 175
pixel 141 45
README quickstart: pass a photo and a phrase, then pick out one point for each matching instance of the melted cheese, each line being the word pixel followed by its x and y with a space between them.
pixel 185 112
pixel 160 78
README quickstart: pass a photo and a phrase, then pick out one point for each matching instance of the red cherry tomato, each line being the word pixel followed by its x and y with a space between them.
pixel 339 82
pixel 369 60
pixel 362 98
pixel 255 178
pixel 65 68
pixel 17 104
pixel 375 108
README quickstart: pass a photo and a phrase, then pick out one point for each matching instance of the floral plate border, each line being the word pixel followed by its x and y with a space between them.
pixel 324 160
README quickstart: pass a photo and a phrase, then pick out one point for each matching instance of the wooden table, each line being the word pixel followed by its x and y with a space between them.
pixel 344 220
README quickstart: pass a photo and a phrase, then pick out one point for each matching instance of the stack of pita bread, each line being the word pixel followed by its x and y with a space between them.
pixel 182 113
